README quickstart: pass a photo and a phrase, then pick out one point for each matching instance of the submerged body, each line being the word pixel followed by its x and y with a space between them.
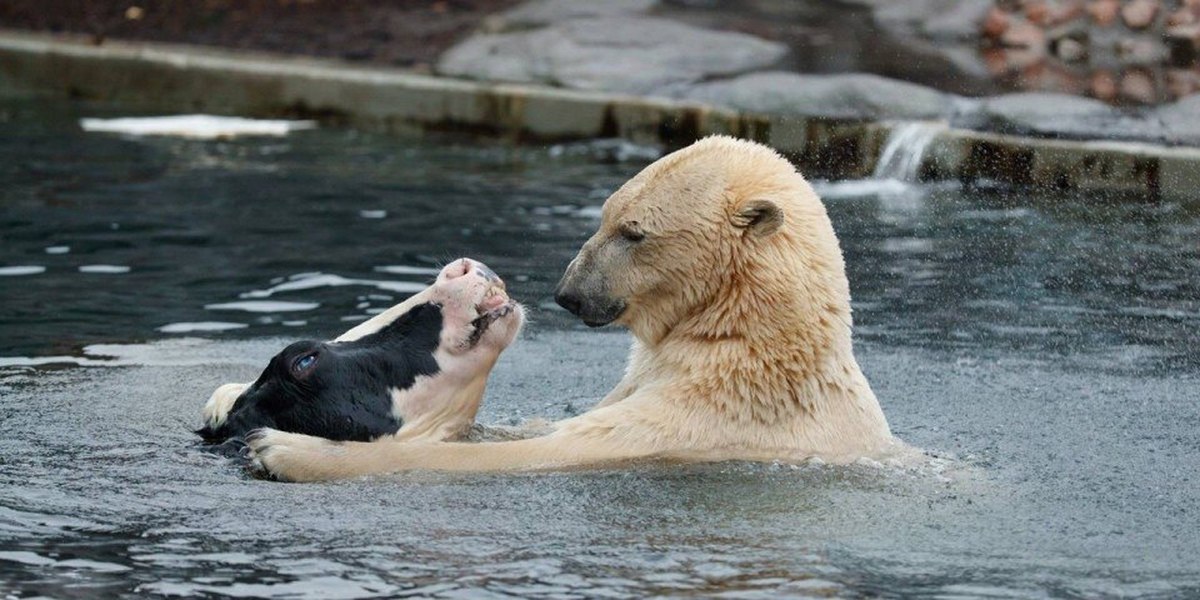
pixel 722 262
pixel 418 369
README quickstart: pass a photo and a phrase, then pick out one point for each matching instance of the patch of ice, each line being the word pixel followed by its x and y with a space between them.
pixel 205 127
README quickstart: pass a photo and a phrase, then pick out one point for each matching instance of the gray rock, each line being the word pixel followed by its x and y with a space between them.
pixel 961 21
pixel 915 12
pixel 1180 121
pixel 851 96
pixel 545 12
pixel 618 54
pixel 1059 115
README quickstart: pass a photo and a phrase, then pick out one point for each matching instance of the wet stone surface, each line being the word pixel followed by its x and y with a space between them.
pixel 850 96
pixel 1042 346
pixel 615 54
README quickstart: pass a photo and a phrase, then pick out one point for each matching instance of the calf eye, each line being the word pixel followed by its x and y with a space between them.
pixel 304 363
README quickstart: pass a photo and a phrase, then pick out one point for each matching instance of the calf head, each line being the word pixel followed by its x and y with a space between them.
pixel 419 369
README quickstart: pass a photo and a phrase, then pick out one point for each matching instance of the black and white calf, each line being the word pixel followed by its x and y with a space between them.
pixel 417 370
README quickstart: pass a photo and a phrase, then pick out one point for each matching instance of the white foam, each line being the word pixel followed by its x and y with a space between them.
pixel 995 214
pixel 57 249
pixel 904 149
pixel 107 269
pixel 372 214
pixel 204 127
pixel 263 306
pixel 21 270
pixel 590 212
pixel 190 327
pixel 612 149
pixel 74 564
pixel 854 188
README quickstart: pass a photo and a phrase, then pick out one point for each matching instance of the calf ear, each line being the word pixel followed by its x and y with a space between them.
pixel 760 217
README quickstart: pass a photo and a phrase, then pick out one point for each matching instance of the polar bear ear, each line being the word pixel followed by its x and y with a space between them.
pixel 760 217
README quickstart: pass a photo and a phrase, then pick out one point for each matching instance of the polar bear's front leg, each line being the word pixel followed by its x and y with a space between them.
pixel 294 457
pixel 216 410
pixel 634 375
pixel 624 389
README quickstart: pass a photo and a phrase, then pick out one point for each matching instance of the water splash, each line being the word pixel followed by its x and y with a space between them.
pixel 901 157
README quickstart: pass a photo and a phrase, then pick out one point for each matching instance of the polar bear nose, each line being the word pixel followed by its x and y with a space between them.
pixel 570 301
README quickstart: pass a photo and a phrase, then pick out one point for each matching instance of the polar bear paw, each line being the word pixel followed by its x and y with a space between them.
pixel 286 456
pixel 216 410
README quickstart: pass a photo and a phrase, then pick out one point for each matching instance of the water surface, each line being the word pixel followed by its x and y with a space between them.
pixel 1043 346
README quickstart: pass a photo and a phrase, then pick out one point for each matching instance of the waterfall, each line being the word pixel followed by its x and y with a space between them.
pixel 901 157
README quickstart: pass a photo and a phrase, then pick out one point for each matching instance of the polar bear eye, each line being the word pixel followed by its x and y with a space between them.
pixel 304 363
pixel 631 233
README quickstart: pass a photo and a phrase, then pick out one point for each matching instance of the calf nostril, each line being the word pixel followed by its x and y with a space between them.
pixel 571 302
pixel 458 269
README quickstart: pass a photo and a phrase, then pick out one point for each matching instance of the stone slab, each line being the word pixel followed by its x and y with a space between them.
pixel 844 96
pixel 636 55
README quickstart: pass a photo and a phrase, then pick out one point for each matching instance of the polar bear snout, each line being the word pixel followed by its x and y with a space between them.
pixel 569 300
pixel 586 296
pixel 594 311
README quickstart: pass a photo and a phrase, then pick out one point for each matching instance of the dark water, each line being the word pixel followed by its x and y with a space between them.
pixel 1045 346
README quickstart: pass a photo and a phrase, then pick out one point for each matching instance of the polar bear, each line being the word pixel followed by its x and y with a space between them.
pixel 721 261
pixel 417 370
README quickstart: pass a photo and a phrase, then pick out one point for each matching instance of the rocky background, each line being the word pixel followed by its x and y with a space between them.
pixel 1120 51
pixel 1124 52
pixel 1083 69
pixel 405 33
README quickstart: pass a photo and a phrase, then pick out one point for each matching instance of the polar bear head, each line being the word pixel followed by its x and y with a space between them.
pixel 720 239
